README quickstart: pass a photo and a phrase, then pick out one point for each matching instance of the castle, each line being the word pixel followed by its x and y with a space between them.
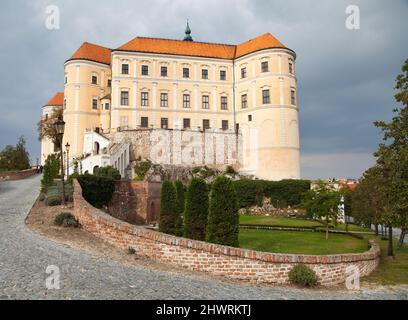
pixel 204 103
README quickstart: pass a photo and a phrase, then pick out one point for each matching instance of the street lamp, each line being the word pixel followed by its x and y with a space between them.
pixel 59 128
pixel 67 148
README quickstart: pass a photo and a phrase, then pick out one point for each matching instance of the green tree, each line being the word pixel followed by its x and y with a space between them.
pixel 196 213
pixel 108 172
pixel 181 202
pixel 15 158
pixel 323 203
pixel 50 172
pixel 168 208
pixel 223 219
pixel 392 157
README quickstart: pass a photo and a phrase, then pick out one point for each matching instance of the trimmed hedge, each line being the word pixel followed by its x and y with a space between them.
pixel 97 190
pixel 287 192
pixel 168 208
pixel 223 219
pixel 196 214
pixel 181 203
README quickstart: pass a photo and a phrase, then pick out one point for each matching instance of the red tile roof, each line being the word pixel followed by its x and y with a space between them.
pixel 264 41
pixel 92 52
pixel 57 100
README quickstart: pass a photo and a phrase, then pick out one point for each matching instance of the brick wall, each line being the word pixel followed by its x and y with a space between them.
pixel 219 260
pixel 136 202
pixel 17 175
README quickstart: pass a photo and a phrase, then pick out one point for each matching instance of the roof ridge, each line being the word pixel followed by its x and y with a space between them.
pixel 167 39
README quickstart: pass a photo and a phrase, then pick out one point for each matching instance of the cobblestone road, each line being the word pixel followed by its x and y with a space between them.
pixel 24 257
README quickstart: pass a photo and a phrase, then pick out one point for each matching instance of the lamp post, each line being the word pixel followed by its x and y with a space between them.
pixel 60 127
pixel 67 148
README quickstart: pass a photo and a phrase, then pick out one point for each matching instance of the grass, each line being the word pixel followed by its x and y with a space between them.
pixel 390 271
pixel 292 222
pixel 278 221
pixel 300 242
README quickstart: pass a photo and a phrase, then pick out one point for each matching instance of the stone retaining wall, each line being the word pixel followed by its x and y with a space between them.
pixel 219 260
pixel 17 175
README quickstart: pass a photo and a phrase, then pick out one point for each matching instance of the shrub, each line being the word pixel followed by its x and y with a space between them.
pixel 181 200
pixel 97 190
pixel 50 172
pixel 196 213
pixel 131 250
pixel 230 170
pixel 108 172
pixel 168 208
pixel 141 169
pixel 303 275
pixel 41 197
pixel 223 219
pixel 66 220
pixel 53 200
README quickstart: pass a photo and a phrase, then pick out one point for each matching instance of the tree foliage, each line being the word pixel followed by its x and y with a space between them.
pixel 196 213
pixel 168 208
pixel 181 203
pixel 46 128
pixel 323 203
pixel 15 158
pixel 108 171
pixel 223 219
pixel 50 172
pixel 97 190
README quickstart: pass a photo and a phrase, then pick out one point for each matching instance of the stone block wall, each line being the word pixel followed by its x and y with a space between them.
pixel 235 263
pixel 17 175
pixel 135 202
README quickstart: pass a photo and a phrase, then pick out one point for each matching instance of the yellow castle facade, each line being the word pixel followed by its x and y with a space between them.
pixel 151 83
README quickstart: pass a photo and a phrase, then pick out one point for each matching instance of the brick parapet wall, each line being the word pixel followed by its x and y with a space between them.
pixel 17 175
pixel 219 260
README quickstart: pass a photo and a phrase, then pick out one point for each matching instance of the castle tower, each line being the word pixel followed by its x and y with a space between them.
pixel 266 108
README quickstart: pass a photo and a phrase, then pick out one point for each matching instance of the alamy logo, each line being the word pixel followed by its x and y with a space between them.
pixel 52 22
pixel 53 280
pixel 353 278
pixel 353 17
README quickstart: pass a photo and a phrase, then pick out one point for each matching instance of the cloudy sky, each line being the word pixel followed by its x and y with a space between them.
pixel 345 77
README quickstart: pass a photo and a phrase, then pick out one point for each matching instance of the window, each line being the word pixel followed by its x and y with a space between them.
pixel 224 124
pixel 290 67
pixel 109 83
pixel 204 74
pixel 244 101
pixel 237 127
pixel 164 122
pixel 186 123
pixel 95 104
pixel 66 79
pixel 106 106
pixel 206 124
pixel 265 97
pixel 243 73
pixel 163 71
pixel 65 104
pixel 223 75
pixel 186 73
pixel 250 117
pixel 186 101
pixel 265 66
pixel 144 123
pixel 145 99
pixel 94 79
pixel 164 102
pixel 124 98
pixel 125 68
pixel 46 116
pixel 206 102
pixel 145 70
pixel 292 96
pixel 224 103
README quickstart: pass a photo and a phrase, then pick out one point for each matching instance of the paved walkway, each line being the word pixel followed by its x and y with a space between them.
pixel 24 257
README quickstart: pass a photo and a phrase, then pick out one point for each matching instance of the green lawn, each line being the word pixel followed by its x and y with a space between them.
pixel 292 222
pixel 278 221
pixel 300 242
pixel 390 271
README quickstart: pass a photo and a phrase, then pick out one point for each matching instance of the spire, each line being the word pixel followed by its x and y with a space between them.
pixel 188 37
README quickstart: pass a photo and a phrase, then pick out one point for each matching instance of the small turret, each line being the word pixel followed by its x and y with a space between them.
pixel 187 36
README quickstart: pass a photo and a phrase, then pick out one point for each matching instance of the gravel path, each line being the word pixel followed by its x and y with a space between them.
pixel 24 257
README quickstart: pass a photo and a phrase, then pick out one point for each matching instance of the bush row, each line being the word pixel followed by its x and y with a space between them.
pixel 284 192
